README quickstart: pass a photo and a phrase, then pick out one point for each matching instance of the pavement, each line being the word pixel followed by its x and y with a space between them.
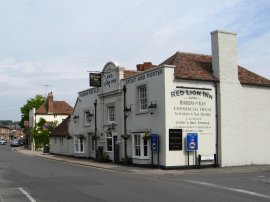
pixel 138 170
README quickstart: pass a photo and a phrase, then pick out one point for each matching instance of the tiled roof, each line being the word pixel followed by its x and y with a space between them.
pixel 199 67
pixel 62 129
pixel 59 107
pixel 250 78
pixel 129 73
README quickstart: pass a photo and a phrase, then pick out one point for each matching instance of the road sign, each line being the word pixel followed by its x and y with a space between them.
pixel 154 142
pixel 192 142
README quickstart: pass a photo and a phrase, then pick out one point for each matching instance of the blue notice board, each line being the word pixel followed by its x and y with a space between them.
pixel 154 142
pixel 192 142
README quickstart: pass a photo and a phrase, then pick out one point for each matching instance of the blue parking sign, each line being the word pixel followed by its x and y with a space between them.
pixel 192 142
pixel 154 142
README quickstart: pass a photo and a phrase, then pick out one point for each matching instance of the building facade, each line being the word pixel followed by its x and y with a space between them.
pixel 51 111
pixel 191 109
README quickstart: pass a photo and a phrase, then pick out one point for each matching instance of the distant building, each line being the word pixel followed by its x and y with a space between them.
pixel 50 111
pixel 190 109
pixel 5 132
pixel 60 140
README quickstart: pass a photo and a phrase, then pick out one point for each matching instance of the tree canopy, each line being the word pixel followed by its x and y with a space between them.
pixel 31 103
pixel 42 132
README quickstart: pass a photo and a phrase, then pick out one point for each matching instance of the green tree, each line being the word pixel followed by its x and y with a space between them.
pixel 42 132
pixel 35 102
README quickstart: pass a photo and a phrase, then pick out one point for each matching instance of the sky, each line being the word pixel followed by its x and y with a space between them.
pixel 50 45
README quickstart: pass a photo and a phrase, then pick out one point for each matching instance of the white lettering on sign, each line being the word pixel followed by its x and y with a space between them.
pixel 144 76
pixel 89 92
pixel 110 79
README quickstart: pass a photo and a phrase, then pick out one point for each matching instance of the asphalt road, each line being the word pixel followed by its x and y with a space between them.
pixel 27 178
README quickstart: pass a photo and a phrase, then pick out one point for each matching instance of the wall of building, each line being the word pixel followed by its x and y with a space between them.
pixel 85 102
pixel 249 145
pixel 60 145
pixel 190 106
pixel 140 122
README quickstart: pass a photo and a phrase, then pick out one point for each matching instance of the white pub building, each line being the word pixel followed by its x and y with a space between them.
pixel 191 109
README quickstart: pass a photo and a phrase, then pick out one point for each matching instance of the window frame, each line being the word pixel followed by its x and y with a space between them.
pixel 78 144
pixel 111 116
pixel 109 139
pixel 142 146
pixel 86 121
pixel 142 107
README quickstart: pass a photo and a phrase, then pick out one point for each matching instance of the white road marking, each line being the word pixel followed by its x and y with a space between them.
pixel 229 189
pixel 27 194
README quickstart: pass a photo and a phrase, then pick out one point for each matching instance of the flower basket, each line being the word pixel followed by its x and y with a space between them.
pixel 125 136
pixel 146 135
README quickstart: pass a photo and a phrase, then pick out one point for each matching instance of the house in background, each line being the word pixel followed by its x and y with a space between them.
pixel 51 111
pixel 5 132
pixel 60 140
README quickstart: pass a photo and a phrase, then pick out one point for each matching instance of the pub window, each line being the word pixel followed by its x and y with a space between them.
pixel 87 120
pixel 111 114
pixel 109 142
pixel 142 95
pixel 141 146
pixel 78 144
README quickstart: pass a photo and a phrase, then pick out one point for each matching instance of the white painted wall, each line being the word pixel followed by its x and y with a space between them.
pixel 192 113
pixel 140 122
pixel 57 147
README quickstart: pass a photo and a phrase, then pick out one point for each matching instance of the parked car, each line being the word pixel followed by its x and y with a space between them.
pixel 15 143
pixel 3 142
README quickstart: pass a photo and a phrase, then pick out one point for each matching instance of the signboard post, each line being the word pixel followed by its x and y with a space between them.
pixel 192 144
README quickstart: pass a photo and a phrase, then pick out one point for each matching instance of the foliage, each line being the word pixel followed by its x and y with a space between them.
pixel 35 102
pixel 94 137
pixel 42 132
pixel 127 160
pixel 6 122
pixel 125 136
pixel 146 135
pixel 105 158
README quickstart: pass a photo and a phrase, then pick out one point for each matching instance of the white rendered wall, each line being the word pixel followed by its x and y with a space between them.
pixel 193 113
pixel 59 148
pixel 141 122
pixel 256 119
pixel 230 98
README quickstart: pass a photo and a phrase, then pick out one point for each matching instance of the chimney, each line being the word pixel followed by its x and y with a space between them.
pixel 224 56
pixel 145 66
pixel 50 102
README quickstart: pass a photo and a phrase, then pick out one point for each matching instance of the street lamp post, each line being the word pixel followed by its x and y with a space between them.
pixel 95 105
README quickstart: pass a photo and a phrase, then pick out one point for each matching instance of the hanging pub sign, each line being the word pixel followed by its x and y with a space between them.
pixel 175 139
pixel 95 79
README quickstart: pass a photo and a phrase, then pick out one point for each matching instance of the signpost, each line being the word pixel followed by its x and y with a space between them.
pixel 192 144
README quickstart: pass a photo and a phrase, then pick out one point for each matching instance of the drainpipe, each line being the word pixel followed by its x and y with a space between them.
pixel 95 105
pixel 125 119
pixel 217 128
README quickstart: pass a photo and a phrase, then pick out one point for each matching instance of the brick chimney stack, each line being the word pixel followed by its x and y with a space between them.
pixel 145 66
pixel 50 102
